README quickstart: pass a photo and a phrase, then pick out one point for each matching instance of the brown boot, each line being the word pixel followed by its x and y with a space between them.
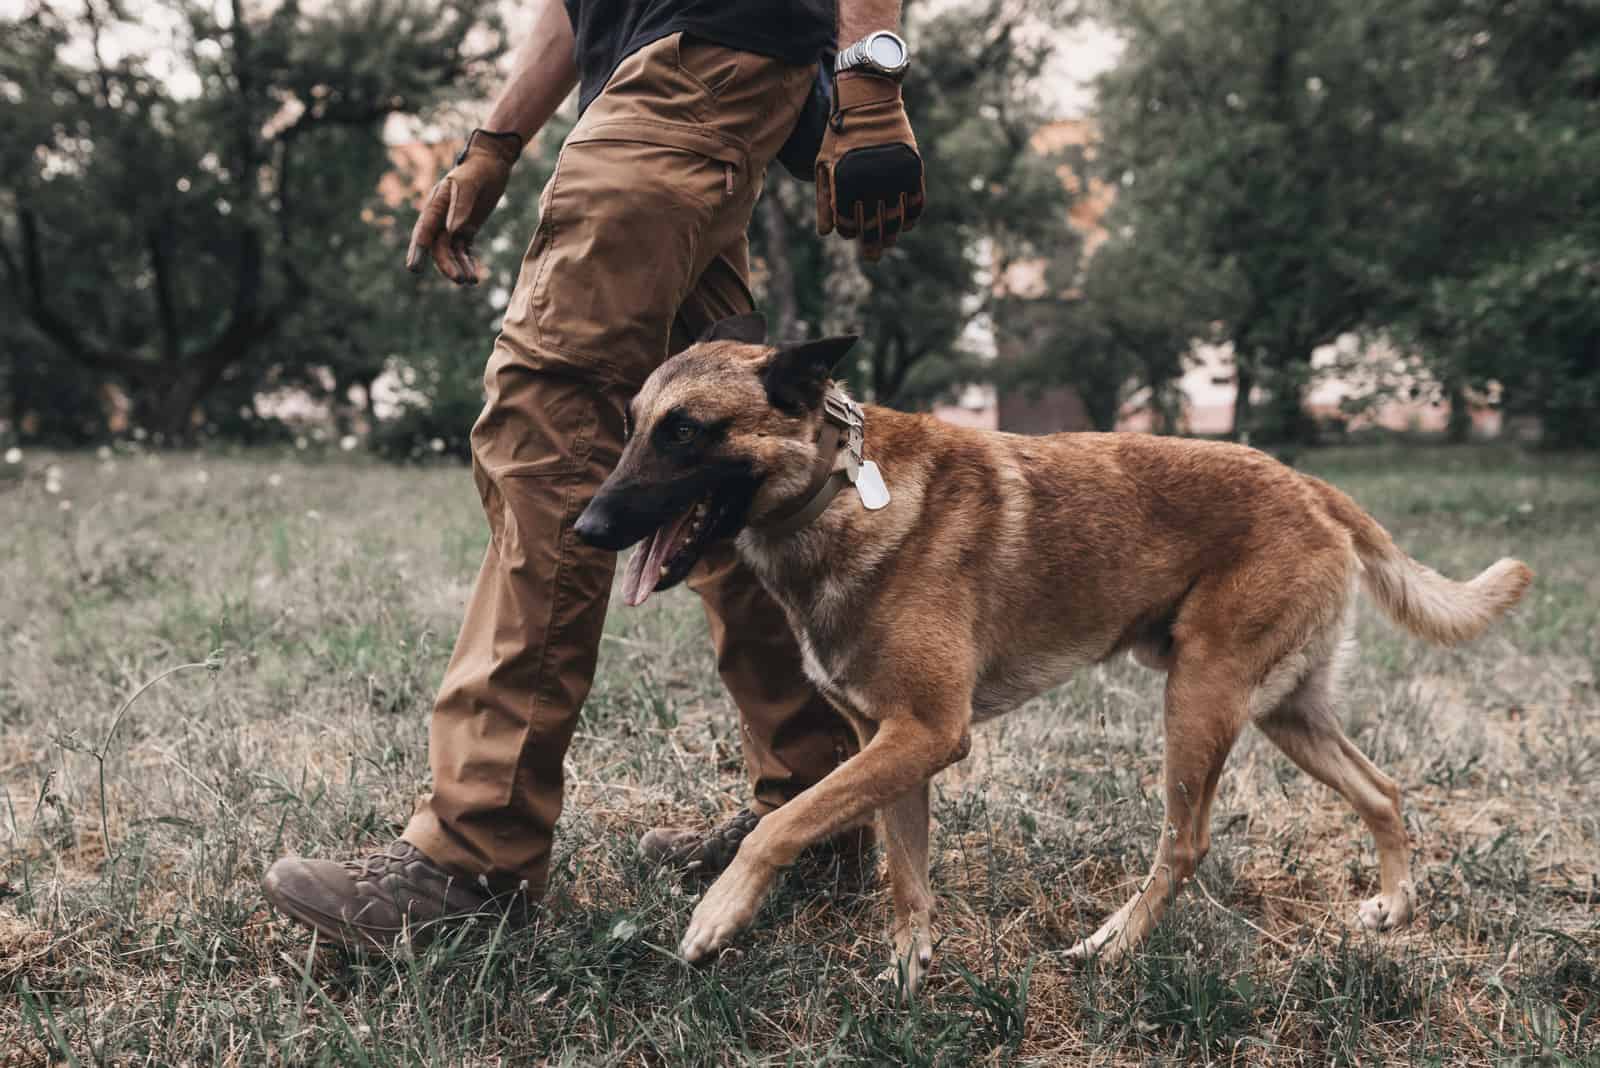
pixel 376 900
pixel 706 852
pixel 697 850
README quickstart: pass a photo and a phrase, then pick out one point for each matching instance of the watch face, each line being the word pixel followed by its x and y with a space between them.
pixel 886 51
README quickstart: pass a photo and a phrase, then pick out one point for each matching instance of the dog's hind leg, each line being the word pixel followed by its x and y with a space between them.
pixel 1306 727
pixel 905 836
pixel 1206 708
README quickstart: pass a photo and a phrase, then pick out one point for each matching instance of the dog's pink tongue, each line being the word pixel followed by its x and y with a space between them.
pixel 636 588
pixel 644 566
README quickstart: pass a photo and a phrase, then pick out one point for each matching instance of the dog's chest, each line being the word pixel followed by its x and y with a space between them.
pixel 829 666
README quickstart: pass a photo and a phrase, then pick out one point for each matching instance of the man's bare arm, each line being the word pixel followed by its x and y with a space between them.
pixel 544 72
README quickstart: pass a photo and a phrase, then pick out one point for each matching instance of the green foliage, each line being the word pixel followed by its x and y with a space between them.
pixel 1502 281
pixel 1118 337
pixel 1417 169
pixel 188 198
pixel 1251 145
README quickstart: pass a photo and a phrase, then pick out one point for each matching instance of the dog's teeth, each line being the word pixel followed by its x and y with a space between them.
pixel 663 570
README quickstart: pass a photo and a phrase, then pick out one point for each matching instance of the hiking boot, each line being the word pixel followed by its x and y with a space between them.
pixel 377 899
pixel 702 852
pixel 707 852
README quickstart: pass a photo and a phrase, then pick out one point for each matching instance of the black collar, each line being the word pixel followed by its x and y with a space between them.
pixel 843 428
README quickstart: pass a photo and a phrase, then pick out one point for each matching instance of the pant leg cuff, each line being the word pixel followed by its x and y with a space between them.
pixel 427 833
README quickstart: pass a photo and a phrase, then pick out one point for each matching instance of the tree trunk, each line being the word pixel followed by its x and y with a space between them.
pixel 1459 427
pixel 784 305
pixel 170 410
pixel 1241 400
pixel 1290 420
pixel 165 404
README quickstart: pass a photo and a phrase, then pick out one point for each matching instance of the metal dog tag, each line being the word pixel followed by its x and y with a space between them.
pixel 874 494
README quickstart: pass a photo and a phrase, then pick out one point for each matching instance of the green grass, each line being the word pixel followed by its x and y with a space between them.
pixel 318 602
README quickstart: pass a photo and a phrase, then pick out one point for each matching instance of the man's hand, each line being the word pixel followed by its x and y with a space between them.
pixel 459 204
pixel 869 173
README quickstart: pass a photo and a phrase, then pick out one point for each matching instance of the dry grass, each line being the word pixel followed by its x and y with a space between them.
pixel 326 595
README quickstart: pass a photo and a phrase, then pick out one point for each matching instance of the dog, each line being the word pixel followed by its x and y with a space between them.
pixel 993 566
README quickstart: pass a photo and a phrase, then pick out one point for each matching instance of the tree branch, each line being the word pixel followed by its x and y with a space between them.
pixel 54 326
pixel 166 307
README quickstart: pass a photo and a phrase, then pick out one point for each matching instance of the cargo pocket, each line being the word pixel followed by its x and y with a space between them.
pixel 625 222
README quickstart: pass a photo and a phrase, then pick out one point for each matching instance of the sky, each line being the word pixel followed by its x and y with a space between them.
pixel 1085 51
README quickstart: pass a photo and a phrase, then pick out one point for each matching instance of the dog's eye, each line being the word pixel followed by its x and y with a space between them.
pixel 684 433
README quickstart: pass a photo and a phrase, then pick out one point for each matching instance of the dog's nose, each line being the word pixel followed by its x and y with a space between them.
pixel 594 526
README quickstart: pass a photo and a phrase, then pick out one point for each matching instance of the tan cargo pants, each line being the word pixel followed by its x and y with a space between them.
pixel 641 244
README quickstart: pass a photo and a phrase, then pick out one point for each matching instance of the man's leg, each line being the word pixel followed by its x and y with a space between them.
pixel 527 649
pixel 654 180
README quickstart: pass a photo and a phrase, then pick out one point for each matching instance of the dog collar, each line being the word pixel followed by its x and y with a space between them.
pixel 843 428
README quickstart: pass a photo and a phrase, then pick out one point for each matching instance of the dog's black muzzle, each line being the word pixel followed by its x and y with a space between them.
pixel 608 523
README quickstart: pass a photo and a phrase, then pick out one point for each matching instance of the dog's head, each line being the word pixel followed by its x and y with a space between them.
pixel 719 436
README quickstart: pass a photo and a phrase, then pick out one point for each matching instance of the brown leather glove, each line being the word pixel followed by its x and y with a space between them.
pixel 458 205
pixel 869 173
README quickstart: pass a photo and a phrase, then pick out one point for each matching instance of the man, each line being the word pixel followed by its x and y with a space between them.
pixel 640 246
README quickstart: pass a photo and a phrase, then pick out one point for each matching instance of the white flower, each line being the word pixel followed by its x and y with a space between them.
pixel 312 513
pixel 348 442
pixel 139 433
pixel 202 477
pixel 13 455
pixel 437 444
pixel 103 452
pixel 1525 507
pixel 274 480
pixel 1314 85
pixel 300 442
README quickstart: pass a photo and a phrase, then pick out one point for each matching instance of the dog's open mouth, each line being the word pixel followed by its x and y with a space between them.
pixel 663 559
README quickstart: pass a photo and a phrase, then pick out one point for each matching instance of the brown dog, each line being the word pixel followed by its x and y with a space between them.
pixel 1000 565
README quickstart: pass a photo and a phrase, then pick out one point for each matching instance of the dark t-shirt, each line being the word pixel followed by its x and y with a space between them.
pixel 608 31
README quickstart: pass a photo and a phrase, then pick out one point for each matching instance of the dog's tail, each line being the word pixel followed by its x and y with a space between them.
pixel 1415 595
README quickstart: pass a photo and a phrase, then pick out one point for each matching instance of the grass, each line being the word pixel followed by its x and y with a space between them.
pixel 315 601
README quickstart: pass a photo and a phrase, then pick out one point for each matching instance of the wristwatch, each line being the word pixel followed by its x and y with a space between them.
pixel 882 53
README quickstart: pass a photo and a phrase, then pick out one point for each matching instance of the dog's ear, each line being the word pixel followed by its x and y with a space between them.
pixel 750 328
pixel 798 372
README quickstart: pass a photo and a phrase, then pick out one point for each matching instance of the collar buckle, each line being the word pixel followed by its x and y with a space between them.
pixel 846 414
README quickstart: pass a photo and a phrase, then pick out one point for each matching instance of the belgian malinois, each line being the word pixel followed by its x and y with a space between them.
pixel 998 565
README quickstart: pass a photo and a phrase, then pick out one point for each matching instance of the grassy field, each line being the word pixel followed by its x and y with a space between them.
pixel 295 615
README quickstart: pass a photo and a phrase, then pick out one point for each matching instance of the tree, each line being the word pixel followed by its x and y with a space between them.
pixel 1498 280
pixel 1254 143
pixel 1417 169
pixel 1117 331
pixel 196 245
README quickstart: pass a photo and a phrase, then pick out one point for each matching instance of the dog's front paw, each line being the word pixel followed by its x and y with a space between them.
pixel 1112 941
pixel 1104 946
pixel 727 909
pixel 1389 911
pixel 913 951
